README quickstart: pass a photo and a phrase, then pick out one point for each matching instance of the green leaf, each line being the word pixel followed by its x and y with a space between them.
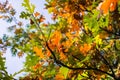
pixel 25 15
pixel 64 71
pixel 28 6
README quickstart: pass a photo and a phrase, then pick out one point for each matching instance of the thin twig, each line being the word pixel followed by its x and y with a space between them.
pixel 39 28
pixel 106 62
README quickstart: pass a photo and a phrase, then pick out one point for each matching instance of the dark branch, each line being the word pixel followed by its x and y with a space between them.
pixel 72 68
pixel 54 57
pixel 110 32
pixel 106 62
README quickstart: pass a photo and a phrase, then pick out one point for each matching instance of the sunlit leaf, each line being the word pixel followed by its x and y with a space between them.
pixel 38 51
pixel 28 6
pixel 107 5
pixel 85 48
pixel 64 71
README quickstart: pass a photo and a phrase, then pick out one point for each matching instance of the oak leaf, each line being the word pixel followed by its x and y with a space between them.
pixel 85 48
pixel 41 19
pixel 56 37
pixel 107 5
pixel 38 51
pixel 37 14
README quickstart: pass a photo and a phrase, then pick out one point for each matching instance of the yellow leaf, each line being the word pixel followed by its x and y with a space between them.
pixel 38 51
pixel 98 40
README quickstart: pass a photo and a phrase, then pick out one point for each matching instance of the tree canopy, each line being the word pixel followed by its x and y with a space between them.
pixel 83 43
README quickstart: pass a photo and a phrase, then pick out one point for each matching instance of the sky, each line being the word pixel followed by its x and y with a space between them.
pixel 14 64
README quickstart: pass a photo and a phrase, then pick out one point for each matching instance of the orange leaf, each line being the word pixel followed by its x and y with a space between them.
pixel 1 17
pixel 37 14
pixel 40 78
pixel 48 53
pixel 36 66
pixel 38 52
pixel 110 28
pixel 85 48
pixel 41 19
pixel 56 37
pixel 107 5
pixel 20 54
pixel 62 56
pixel 44 24
pixel 59 77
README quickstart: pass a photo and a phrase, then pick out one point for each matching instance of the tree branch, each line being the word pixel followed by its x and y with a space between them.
pixel 106 62
pixel 39 28
pixel 73 68
pixel 110 32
